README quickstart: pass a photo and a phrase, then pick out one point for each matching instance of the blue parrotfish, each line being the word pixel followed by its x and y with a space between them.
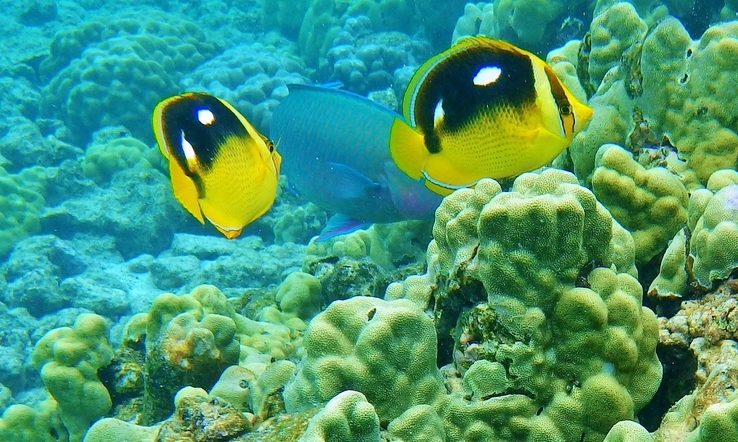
pixel 335 148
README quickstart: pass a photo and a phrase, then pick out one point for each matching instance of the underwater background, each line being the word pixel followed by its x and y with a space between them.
pixel 591 300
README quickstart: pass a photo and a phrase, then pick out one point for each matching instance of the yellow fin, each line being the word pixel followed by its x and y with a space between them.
pixel 444 173
pixel 407 148
pixel 437 188
pixel 185 190
pixel 230 234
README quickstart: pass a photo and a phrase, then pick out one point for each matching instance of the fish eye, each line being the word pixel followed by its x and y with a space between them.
pixel 565 109
pixel 270 145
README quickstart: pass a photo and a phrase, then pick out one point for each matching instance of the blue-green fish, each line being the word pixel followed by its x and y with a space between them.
pixel 335 152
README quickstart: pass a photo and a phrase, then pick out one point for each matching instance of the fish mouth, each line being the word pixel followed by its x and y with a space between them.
pixel 229 232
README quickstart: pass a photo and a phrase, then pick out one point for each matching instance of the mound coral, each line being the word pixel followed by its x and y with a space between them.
pixel 251 77
pixel 69 358
pixel 562 317
pixel 667 85
pixel 651 204
pixel 114 74
pixel 384 350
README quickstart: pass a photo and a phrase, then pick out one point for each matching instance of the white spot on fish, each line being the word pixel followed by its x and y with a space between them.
pixel 188 150
pixel 205 116
pixel 438 113
pixel 487 75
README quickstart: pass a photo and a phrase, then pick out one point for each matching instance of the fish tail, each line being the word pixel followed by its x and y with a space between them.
pixel 407 148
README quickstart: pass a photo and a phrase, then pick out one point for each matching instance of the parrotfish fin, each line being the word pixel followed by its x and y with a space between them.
pixel 407 148
pixel 410 196
pixel 347 182
pixel 339 224
pixel 185 190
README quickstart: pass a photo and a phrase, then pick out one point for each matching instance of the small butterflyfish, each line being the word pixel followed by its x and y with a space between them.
pixel 483 109
pixel 221 168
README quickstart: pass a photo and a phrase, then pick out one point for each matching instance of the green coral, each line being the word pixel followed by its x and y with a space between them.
pixel 190 340
pixel 69 358
pixel 613 34
pixel 714 241
pixel 300 294
pixel 670 88
pixel 671 282
pixel 324 18
pixel 567 335
pixel 103 160
pixel 108 430
pixel 420 423
pixel 385 350
pixel 719 422
pixel 117 72
pixel 628 431
pixel 651 204
pixel 21 423
pixel 346 417
pixel 21 202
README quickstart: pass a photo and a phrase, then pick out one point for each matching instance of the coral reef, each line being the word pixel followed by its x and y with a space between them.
pixel 251 77
pixel 69 359
pixel 113 73
pixel 566 318
pixel 667 85
pixel 363 344
pixel 651 204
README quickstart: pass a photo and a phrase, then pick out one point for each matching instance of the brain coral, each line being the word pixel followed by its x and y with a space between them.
pixel 115 74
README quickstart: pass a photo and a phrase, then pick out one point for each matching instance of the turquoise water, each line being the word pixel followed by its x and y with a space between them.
pixel 89 224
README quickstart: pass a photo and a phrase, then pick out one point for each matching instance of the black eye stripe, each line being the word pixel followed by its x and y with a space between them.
pixel 181 117
pixel 452 81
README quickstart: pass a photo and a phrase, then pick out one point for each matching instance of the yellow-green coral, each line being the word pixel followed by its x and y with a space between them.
pixel 21 201
pixel 714 241
pixel 671 87
pixel 21 423
pixel 671 282
pixel 110 430
pixel 116 72
pixel 385 350
pixel 612 34
pixel 300 294
pixel 69 358
pixel 346 417
pixel 566 323
pixel 103 160
pixel 651 204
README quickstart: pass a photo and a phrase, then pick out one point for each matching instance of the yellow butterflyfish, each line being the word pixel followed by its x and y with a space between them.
pixel 483 108
pixel 221 168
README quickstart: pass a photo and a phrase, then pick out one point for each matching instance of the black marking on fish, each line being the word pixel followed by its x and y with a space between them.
pixel 180 118
pixel 452 82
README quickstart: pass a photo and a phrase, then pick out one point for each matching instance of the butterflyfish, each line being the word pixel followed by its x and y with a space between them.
pixel 483 108
pixel 221 168
pixel 335 147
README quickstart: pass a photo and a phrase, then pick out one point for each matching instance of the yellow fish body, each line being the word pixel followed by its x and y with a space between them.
pixel 220 166
pixel 483 108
